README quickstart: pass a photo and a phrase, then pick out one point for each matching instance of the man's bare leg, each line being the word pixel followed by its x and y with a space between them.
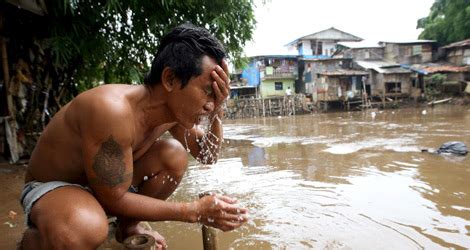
pixel 156 174
pixel 66 218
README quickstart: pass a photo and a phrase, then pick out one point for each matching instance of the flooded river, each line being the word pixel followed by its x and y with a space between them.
pixel 353 180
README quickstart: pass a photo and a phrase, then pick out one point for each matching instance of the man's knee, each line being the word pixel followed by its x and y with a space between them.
pixel 83 230
pixel 70 218
pixel 168 155
pixel 174 156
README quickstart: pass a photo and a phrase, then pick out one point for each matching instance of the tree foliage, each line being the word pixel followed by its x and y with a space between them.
pixel 448 21
pixel 118 38
pixel 79 44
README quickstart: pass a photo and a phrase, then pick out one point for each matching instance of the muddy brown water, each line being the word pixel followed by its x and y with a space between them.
pixel 339 181
pixel 326 181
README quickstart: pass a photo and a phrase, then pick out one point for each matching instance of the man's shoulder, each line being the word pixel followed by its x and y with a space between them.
pixel 108 99
pixel 103 108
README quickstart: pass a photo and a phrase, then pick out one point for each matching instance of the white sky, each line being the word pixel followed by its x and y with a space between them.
pixel 282 21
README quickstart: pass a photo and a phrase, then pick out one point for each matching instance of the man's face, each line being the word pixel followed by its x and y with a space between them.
pixel 196 99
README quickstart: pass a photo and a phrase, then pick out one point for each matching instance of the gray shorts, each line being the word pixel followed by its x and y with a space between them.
pixel 34 190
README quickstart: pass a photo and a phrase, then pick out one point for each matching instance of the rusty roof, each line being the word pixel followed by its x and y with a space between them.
pixel 432 68
pixel 458 44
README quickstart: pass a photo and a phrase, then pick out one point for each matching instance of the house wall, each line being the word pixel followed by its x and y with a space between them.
pixel 408 53
pixel 378 81
pixel 365 53
pixel 454 77
pixel 267 87
pixel 458 56
pixel 329 47
pixel 306 48
pixel 327 65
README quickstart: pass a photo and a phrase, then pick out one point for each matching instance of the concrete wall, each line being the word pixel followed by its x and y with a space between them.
pixel 329 47
pixel 267 87
pixel 306 48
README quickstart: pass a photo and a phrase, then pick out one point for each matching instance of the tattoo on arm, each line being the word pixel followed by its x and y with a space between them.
pixel 109 164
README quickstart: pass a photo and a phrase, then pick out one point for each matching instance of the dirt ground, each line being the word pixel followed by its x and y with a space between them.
pixel 11 214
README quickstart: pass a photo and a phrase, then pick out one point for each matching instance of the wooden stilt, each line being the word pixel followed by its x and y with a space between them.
pixel 209 234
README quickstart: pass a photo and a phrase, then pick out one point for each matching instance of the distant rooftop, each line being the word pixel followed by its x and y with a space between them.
pixel 328 34
pixel 382 67
pixel 360 45
pixel 409 42
pixel 458 44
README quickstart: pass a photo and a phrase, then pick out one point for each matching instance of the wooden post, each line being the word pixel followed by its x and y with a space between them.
pixel 140 242
pixel 6 76
pixel 209 234
pixel 264 108
pixel 383 96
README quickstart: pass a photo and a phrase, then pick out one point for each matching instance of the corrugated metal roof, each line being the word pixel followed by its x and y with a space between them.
pixel 323 58
pixel 409 41
pixel 431 68
pixel 458 44
pixel 345 72
pixel 328 34
pixel 396 70
pixel 360 45
pixel 376 65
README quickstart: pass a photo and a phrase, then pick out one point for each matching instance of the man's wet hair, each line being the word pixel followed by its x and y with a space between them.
pixel 182 50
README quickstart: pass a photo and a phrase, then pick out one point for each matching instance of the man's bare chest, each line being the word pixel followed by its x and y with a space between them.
pixel 144 141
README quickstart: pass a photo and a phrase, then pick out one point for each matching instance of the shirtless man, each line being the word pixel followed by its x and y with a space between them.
pixel 101 153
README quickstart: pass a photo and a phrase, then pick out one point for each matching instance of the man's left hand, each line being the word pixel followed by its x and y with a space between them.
pixel 221 85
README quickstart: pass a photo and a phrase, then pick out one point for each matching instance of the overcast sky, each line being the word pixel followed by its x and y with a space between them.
pixel 282 21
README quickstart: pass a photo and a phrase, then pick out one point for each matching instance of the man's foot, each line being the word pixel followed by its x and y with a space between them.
pixel 140 228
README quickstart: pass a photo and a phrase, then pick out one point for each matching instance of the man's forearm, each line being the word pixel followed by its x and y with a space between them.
pixel 140 207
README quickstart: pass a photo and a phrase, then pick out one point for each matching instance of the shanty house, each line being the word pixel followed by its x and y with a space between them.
pixel 456 77
pixel 321 44
pixel 333 79
pixel 389 79
pixel 458 53
pixel 410 52
pixel 272 74
pixel 360 51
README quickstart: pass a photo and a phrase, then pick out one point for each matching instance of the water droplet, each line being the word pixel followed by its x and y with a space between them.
pixel 146 178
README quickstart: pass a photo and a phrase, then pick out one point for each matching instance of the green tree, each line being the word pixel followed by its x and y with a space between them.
pixel 448 21
pixel 78 44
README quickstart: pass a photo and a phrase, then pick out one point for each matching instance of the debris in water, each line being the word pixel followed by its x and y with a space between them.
pixel 373 114
pixel 12 214
pixel 424 112
pixel 11 225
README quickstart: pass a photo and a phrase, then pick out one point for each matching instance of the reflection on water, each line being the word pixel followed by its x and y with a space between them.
pixel 339 181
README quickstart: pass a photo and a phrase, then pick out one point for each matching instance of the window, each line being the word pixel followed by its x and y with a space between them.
pixel 278 86
pixel 417 50
pixel 393 87
pixel 319 48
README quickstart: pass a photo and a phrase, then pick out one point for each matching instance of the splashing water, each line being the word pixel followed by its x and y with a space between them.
pixel 209 148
